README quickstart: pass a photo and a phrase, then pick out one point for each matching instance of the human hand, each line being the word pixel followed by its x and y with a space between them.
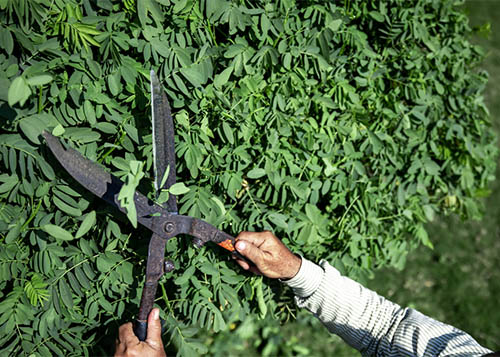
pixel 128 345
pixel 270 256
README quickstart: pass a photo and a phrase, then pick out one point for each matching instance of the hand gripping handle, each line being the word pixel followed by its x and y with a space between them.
pixel 141 329
pixel 154 270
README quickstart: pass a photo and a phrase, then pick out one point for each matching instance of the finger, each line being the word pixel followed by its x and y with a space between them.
pixel 243 264
pixel 126 334
pixel 118 348
pixel 154 329
pixel 255 270
pixel 246 266
pixel 256 238
pixel 250 251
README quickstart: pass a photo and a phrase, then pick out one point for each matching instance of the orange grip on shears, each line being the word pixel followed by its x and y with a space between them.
pixel 227 244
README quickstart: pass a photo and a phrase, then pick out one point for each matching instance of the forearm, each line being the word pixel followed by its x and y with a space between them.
pixel 370 323
pixel 356 314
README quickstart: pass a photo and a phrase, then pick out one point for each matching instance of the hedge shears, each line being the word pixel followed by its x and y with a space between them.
pixel 162 219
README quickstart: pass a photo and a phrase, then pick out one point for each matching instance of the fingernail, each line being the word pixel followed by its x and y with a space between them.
pixel 156 314
pixel 241 245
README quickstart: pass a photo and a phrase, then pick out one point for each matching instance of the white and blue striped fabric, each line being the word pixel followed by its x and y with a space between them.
pixel 370 323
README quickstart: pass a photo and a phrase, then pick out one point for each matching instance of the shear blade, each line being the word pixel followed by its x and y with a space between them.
pixel 94 178
pixel 163 141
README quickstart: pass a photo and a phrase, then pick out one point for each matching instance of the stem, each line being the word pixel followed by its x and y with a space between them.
pixel 33 214
pixel 212 34
pixel 40 106
pixel 74 266
pixel 110 150
pixel 19 149
pixel 341 223
pixel 255 204
pixel 165 298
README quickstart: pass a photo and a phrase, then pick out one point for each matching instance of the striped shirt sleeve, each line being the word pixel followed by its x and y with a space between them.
pixel 370 323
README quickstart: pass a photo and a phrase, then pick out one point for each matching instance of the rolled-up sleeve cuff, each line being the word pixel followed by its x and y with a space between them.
pixel 307 280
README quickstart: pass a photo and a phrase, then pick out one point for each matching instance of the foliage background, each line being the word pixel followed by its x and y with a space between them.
pixel 321 134
pixel 457 282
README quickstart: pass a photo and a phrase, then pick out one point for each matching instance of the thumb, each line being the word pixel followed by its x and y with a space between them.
pixel 249 251
pixel 154 329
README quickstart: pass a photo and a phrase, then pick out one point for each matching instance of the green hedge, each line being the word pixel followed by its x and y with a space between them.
pixel 341 127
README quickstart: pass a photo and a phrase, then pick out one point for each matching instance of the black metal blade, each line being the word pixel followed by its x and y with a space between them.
pixel 154 217
pixel 163 157
pixel 163 141
pixel 154 271
pixel 102 184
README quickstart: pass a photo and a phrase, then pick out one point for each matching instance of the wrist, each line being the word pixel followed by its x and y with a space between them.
pixel 294 267
pixel 307 280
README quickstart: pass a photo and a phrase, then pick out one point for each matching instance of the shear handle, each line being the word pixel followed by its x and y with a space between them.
pixel 202 232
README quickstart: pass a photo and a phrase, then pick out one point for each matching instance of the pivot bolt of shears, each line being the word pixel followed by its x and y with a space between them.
pixel 169 266
pixel 169 227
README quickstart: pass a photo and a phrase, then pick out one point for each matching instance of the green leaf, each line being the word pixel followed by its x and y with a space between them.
pixel 279 220
pixel 194 76
pixel 39 80
pixel 126 194
pixel 313 213
pixel 114 83
pixel 104 264
pixel 19 91
pixel 421 234
pixel 429 212
pixel 6 40
pixel 334 25
pixel 184 278
pixel 58 130
pixel 57 232
pixel 65 294
pixel 63 206
pixel 234 50
pixel 89 112
pixel 377 16
pixel 219 204
pixel 209 269
pixel 146 7
pixel 256 173
pixel 223 77
pixel 165 177
pixel 228 132
pixel 259 294
pixel 431 167
pixel 180 84
pixel 375 141
pixel 87 224
pixel 46 169
pixel 13 233
pixel 287 60
pixel 439 87
pixel 32 128
pixel 178 188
